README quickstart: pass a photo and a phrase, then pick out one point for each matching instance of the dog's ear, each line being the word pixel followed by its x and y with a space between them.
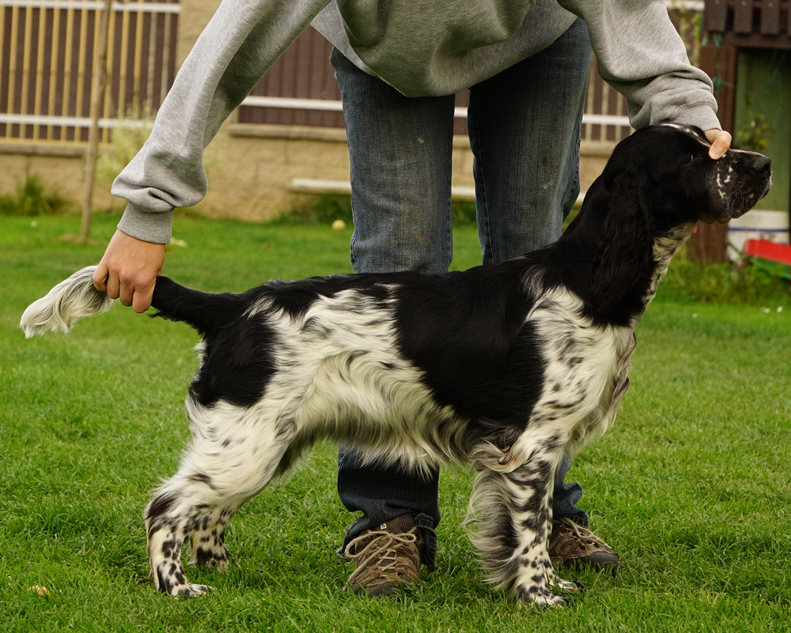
pixel 623 261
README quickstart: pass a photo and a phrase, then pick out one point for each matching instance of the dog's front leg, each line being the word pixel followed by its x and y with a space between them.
pixel 207 539
pixel 513 511
pixel 169 519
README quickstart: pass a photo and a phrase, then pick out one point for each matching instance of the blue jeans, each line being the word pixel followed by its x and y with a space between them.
pixel 524 128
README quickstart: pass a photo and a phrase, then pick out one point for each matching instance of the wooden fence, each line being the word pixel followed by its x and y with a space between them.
pixel 300 89
pixel 48 52
pixel 47 55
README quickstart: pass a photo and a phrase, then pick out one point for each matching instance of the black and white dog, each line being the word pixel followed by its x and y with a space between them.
pixel 511 366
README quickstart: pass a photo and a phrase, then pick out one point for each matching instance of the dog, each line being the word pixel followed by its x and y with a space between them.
pixel 510 367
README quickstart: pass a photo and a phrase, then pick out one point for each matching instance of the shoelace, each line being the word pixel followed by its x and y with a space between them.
pixel 583 535
pixel 381 548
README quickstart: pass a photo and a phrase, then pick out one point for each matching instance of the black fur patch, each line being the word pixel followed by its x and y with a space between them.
pixel 159 506
pixel 466 331
pixel 237 364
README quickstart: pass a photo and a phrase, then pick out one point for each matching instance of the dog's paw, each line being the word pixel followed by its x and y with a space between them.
pixel 170 579
pixel 550 601
pixel 190 591
pixel 537 596
pixel 565 585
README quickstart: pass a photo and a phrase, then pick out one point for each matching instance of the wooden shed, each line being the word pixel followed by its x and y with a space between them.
pixel 756 35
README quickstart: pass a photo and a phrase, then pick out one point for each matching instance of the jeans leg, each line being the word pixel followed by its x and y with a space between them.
pixel 524 128
pixel 400 152
pixel 525 132
pixel 566 496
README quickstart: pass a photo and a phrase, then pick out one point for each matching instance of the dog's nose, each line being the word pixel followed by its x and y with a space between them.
pixel 762 164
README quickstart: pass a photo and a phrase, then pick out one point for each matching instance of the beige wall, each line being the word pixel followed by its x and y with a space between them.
pixel 193 18
pixel 250 167
pixel 61 168
pixel 249 176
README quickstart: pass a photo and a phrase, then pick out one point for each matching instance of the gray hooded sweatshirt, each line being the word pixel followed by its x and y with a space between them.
pixel 421 48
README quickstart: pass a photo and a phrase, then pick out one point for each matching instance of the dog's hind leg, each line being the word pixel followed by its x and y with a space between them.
pixel 513 512
pixel 228 463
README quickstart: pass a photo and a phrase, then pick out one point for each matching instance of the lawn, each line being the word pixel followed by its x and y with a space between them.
pixel 691 486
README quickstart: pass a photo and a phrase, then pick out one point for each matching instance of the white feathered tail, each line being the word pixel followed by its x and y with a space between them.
pixel 64 305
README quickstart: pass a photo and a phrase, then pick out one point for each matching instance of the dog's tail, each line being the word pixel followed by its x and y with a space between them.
pixel 64 305
pixel 204 311
pixel 77 297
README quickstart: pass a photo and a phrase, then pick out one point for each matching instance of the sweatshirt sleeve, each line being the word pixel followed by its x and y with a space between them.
pixel 240 43
pixel 641 55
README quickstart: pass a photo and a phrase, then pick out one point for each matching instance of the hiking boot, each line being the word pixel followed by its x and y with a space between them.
pixel 388 558
pixel 572 546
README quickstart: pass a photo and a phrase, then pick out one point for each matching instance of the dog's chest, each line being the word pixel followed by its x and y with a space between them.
pixel 586 365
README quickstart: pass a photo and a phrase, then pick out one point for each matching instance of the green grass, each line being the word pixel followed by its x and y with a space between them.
pixel 691 486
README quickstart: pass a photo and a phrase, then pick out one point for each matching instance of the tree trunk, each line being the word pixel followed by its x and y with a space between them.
pixel 97 100
pixel 709 244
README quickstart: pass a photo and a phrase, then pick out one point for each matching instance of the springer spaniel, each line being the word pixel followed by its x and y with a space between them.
pixel 510 367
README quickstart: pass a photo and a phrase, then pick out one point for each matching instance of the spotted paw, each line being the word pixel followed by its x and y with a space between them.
pixel 549 601
pixel 540 597
pixel 558 601
pixel 190 591
pixel 566 585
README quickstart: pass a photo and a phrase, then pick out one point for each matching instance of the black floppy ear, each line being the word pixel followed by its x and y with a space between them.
pixel 623 261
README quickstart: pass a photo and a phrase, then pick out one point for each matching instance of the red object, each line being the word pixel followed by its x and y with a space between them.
pixel 780 253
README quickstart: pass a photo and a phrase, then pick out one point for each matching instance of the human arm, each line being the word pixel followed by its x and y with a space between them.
pixel 641 55
pixel 243 39
pixel 240 43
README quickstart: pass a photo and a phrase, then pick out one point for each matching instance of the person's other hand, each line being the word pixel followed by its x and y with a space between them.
pixel 129 270
pixel 720 142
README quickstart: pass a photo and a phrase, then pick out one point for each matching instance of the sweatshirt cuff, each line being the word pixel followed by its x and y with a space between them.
pixel 702 116
pixel 149 227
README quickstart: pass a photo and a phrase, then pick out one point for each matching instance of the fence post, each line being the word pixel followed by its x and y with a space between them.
pixel 98 85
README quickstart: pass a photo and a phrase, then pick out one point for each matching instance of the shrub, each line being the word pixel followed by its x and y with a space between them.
pixel 722 283
pixel 324 209
pixel 32 199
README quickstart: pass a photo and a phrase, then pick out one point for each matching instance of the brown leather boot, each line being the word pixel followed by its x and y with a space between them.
pixel 388 558
pixel 571 546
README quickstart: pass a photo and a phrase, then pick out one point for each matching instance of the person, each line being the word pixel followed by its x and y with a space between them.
pixel 398 65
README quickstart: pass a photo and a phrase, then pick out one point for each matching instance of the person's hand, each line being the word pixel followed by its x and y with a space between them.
pixel 720 142
pixel 129 270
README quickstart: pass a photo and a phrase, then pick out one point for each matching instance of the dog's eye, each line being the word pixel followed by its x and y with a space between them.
pixel 688 160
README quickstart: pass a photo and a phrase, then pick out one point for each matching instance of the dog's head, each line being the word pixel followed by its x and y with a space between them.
pixel 680 183
pixel 658 183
